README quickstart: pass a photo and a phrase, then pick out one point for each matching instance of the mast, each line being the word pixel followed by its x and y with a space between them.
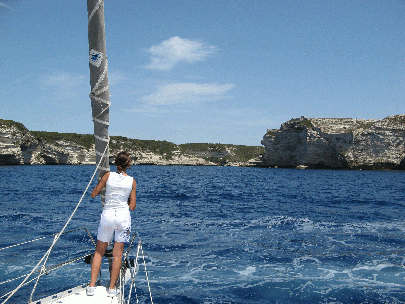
pixel 100 94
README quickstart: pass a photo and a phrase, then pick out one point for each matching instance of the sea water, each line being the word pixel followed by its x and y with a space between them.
pixel 222 234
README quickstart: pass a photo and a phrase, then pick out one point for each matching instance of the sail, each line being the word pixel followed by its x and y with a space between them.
pixel 100 94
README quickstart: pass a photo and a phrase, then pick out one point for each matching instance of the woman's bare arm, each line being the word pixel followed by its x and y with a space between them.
pixel 101 184
pixel 132 197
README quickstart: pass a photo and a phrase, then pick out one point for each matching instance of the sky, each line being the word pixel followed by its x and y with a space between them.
pixel 207 71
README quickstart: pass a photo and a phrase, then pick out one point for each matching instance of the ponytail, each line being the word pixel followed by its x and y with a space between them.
pixel 122 161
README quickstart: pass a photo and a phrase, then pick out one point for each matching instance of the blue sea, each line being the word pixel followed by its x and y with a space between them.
pixel 221 234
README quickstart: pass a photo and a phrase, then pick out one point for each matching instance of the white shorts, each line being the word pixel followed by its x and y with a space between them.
pixel 118 221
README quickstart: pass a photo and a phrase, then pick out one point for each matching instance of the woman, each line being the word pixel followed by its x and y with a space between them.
pixel 120 194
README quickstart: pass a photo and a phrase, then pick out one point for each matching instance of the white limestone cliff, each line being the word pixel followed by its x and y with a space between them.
pixel 337 143
pixel 18 146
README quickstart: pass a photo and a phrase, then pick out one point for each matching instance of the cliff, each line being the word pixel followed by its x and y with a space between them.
pixel 19 146
pixel 337 143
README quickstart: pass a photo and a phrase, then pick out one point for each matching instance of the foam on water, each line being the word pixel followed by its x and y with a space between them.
pixel 232 235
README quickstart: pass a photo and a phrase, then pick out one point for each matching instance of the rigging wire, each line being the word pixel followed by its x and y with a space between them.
pixel 44 237
pixel 94 95
pixel 57 236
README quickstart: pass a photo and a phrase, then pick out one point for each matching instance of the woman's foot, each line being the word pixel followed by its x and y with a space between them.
pixel 90 291
pixel 112 292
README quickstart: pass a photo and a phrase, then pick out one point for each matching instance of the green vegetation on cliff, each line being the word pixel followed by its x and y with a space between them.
pixel 11 123
pixel 84 140
pixel 217 153
pixel 214 152
pixel 222 152
pixel 155 146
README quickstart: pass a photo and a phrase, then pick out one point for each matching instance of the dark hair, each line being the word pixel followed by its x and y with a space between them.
pixel 122 161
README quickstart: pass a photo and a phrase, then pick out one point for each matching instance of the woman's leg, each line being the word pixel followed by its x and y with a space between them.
pixel 96 264
pixel 116 265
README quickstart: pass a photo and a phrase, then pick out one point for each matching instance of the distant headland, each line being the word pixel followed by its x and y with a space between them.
pixel 337 143
pixel 319 143
pixel 19 146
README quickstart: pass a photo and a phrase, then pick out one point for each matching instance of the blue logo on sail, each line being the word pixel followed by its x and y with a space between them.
pixel 96 58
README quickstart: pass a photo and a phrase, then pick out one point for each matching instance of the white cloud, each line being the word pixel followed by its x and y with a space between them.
pixel 6 6
pixel 64 84
pixel 155 111
pixel 185 93
pixel 63 80
pixel 174 50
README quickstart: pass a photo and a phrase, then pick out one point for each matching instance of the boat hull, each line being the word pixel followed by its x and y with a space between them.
pixel 77 295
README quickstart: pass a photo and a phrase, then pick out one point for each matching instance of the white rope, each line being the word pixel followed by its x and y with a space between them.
pixel 133 273
pixel 43 269
pixel 95 9
pixel 95 92
pixel 44 237
pixel 102 90
pixel 100 154
pixel 146 272
pixel 100 80
pixel 26 283
pixel 130 292
pixel 104 122
pixel 93 95
pixel 102 138
pixel 57 236
pixel 137 256
pixel 101 121
pixel 13 279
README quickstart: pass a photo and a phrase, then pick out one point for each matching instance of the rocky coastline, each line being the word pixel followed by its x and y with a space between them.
pixel 337 143
pixel 19 146
pixel 314 143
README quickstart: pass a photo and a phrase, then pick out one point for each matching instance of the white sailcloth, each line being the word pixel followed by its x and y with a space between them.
pixel 100 94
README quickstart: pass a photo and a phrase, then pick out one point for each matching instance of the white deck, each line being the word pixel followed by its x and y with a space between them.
pixel 78 295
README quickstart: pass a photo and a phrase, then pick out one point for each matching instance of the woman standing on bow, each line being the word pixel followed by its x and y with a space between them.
pixel 120 198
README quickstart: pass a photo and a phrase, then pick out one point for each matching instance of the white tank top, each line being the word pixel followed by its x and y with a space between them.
pixel 118 189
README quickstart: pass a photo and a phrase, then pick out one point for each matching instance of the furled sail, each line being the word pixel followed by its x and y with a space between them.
pixel 100 94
